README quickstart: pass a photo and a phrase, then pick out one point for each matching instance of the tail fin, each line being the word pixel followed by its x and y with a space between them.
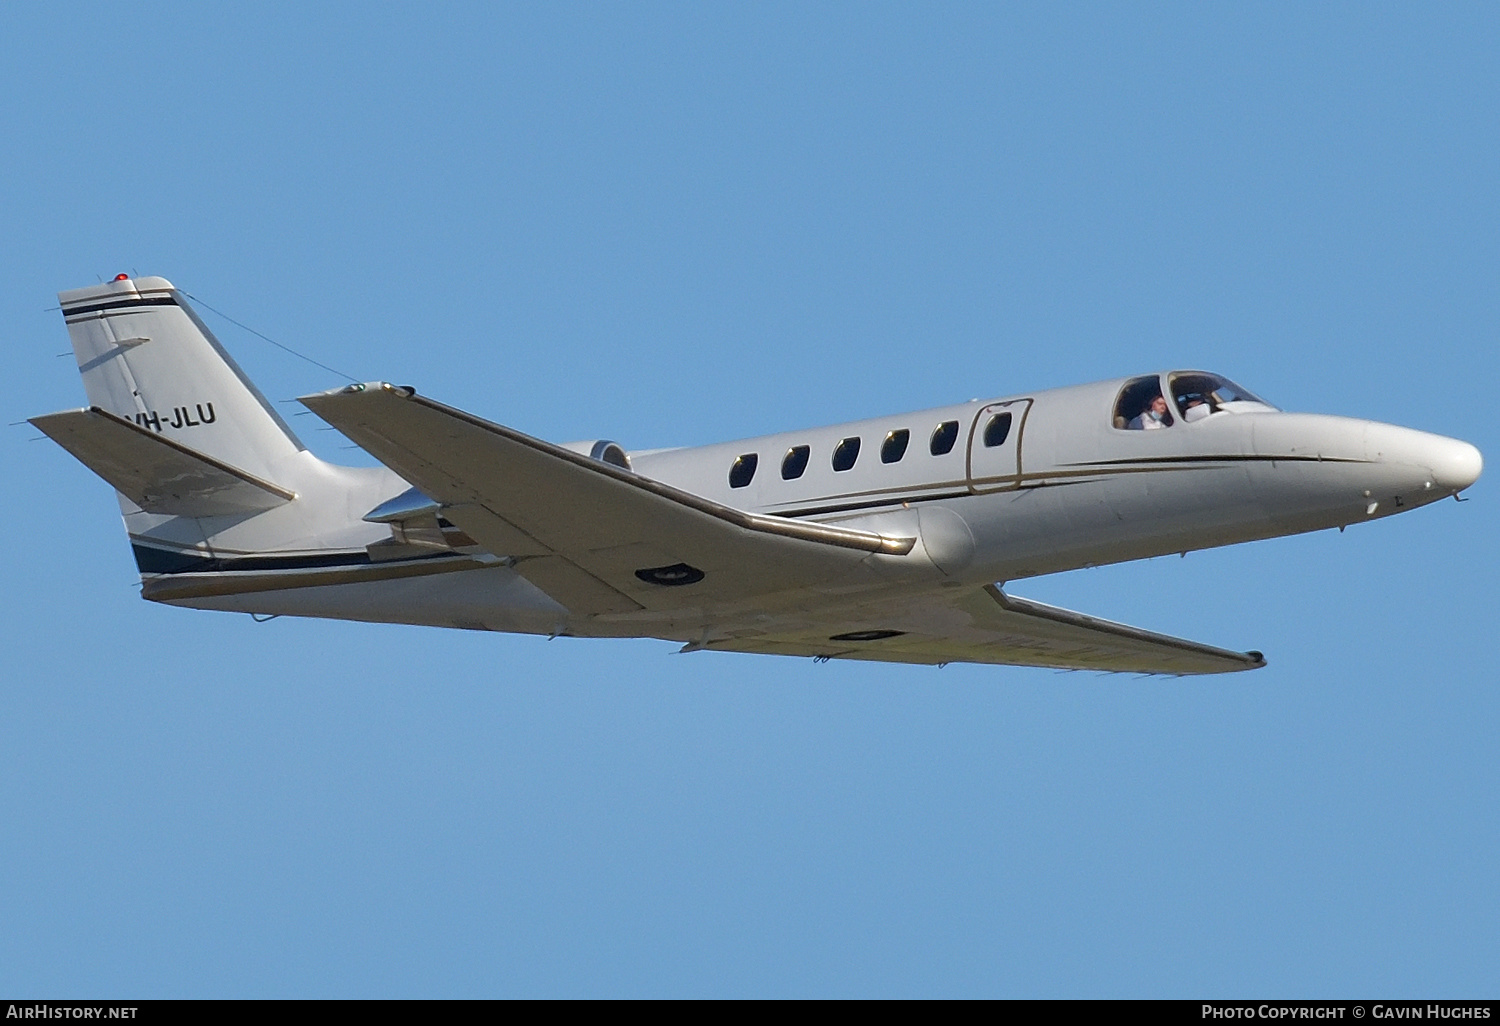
pixel 145 357
pixel 210 479
pixel 224 507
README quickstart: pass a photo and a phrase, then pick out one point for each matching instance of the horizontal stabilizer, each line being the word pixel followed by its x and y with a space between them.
pixel 988 626
pixel 156 473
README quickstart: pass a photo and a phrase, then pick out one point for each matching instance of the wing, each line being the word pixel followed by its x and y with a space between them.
pixel 598 538
pixel 988 626
pixel 156 473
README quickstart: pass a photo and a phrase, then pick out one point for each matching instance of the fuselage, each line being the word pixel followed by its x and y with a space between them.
pixel 1067 487
pixel 992 490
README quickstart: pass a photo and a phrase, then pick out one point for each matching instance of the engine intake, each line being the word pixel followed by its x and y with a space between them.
pixel 602 450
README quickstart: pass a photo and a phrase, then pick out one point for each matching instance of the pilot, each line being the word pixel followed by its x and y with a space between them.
pixel 1154 416
pixel 1197 409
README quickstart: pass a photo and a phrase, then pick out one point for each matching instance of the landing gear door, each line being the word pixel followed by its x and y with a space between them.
pixel 995 446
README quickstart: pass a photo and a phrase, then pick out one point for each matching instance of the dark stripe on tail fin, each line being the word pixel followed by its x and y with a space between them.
pixel 119 304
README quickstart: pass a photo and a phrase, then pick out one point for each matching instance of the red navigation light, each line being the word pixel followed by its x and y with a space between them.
pixel 122 277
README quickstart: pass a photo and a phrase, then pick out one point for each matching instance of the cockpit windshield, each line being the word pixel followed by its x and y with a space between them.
pixel 1200 395
pixel 1140 406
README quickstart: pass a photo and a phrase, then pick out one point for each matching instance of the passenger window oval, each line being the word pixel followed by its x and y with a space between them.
pixel 846 453
pixel 943 437
pixel 997 430
pixel 743 470
pixel 795 462
pixel 895 446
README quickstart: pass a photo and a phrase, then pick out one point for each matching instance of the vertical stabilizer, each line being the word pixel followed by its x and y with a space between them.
pixel 146 357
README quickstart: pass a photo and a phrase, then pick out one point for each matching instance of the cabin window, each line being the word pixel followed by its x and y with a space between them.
pixel 895 446
pixel 794 462
pixel 943 437
pixel 743 470
pixel 1141 406
pixel 997 430
pixel 846 453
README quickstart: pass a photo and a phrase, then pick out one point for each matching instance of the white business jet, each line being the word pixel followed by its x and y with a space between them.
pixel 882 539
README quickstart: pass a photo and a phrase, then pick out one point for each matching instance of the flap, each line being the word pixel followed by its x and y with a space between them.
pixel 986 625
pixel 154 472
pixel 596 537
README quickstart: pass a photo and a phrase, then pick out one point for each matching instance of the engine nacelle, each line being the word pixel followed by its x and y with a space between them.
pixel 602 449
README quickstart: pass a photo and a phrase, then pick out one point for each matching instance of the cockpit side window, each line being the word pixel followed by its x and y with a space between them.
pixel 1141 406
pixel 1200 395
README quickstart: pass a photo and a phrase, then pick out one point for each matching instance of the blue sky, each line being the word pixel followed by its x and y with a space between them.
pixel 680 224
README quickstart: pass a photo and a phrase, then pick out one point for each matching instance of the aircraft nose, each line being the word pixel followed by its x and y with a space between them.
pixel 1452 464
pixel 1455 465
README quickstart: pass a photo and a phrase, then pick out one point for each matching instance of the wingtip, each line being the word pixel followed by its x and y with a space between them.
pixel 357 388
